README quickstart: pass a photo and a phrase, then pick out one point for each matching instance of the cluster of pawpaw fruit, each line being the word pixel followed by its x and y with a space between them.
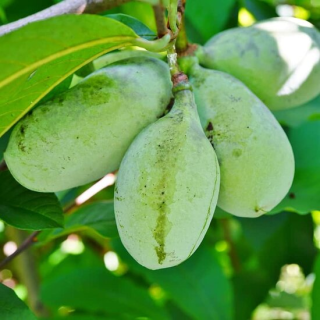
pixel 218 145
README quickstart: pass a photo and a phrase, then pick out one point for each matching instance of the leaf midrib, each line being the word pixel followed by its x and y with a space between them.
pixel 65 52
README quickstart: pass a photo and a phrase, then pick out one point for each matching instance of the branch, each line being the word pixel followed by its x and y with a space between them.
pixel 25 269
pixel 29 241
pixel 64 7
pixel 26 244
pixel 160 20
pixel 67 209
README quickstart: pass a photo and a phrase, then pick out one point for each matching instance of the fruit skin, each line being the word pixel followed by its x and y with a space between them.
pixel 278 59
pixel 167 188
pixel 84 133
pixel 255 156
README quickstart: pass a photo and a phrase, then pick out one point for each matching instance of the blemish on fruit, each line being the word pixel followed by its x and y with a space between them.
pixel 237 152
pixel 292 195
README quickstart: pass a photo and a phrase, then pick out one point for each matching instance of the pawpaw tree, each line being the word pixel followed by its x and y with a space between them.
pixel 159 159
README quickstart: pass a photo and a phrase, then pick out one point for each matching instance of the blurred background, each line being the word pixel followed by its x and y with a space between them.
pixel 264 268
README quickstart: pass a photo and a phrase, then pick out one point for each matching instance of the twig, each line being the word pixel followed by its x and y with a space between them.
pixel 31 240
pixel 26 244
pixel 160 20
pixel 70 207
pixel 64 7
pixel 25 270
pixel 235 261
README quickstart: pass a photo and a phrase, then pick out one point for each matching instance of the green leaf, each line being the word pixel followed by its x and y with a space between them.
pixel 98 290
pixel 137 26
pixel 261 263
pixel 303 196
pixel 315 310
pixel 15 10
pixel 11 307
pixel 206 18
pixel 37 57
pixel 298 116
pixel 26 209
pixel 258 231
pixel 198 286
pixel 141 11
pixel 98 216
pixel 260 10
pixel 3 143
pixel 81 316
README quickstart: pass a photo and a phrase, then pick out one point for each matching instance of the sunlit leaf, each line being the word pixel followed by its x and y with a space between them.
pixel 37 57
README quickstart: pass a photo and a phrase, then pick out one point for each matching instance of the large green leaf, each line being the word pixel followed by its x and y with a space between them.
pixel 98 216
pixel 39 56
pixel 198 286
pixel 26 209
pixel 206 18
pixel 11 307
pixel 304 195
pixel 97 290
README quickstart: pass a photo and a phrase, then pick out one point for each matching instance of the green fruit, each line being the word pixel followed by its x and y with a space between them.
pixel 167 188
pixel 278 59
pixel 84 133
pixel 255 156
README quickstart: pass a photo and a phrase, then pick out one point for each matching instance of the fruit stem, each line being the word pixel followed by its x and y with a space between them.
pixel 188 63
pixel 179 79
pixel 182 41
pixel 200 53
pixel 173 60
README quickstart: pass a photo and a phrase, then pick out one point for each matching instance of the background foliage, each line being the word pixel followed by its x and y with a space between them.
pixel 264 268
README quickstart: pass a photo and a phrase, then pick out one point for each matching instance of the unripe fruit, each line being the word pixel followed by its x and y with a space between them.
pixel 84 133
pixel 255 156
pixel 167 188
pixel 278 59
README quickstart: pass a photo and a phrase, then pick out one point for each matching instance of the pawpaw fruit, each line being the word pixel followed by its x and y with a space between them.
pixel 255 156
pixel 83 134
pixel 167 188
pixel 278 59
